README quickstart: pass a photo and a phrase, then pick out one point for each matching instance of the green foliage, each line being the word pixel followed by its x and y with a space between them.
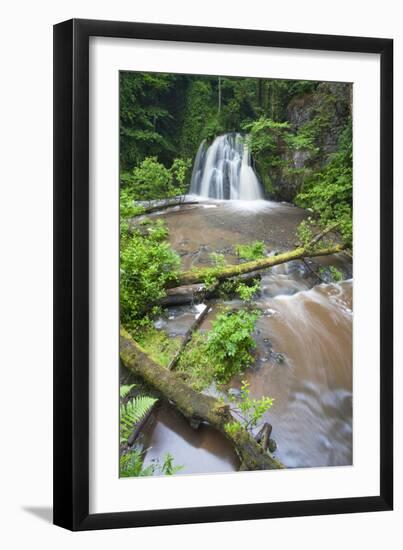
pixel 124 390
pixel 168 467
pixel 147 262
pixel 329 192
pixel 152 180
pixel 194 365
pixel 218 259
pixel 148 105
pixel 158 344
pixel 335 274
pixel 229 343
pixel 180 172
pixel 251 410
pixel 127 207
pixel 304 232
pixel 304 140
pixel 199 113
pixel 264 137
pixel 149 180
pixel 240 102
pixel 246 292
pixel 221 353
pixel 250 251
pixel 232 428
pixel 131 465
pixel 132 412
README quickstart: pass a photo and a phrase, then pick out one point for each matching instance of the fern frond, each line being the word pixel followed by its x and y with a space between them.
pixel 132 412
pixel 125 390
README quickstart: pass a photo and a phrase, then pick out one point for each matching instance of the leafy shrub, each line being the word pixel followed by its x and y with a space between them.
pixel 250 251
pixel 249 411
pixel 252 410
pixel 149 180
pixel 304 232
pixel 180 172
pixel 152 180
pixel 229 343
pixel 147 263
pixel 265 135
pixel 246 292
pixel 221 353
pixel 329 192
pixel 127 207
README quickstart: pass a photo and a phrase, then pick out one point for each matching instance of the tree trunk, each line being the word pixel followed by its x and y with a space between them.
pixel 199 275
pixel 164 206
pixel 194 294
pixel 195 406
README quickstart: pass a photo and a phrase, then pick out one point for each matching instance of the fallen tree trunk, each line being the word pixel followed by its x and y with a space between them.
pixel 196 293
pixel 200 275
pixel 195 406
pixel 187 294
pixel 164 206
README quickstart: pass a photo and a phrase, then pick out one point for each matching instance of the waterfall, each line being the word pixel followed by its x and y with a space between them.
pixel 224 170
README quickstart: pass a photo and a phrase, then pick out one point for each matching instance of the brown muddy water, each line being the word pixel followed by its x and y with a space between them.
pixel 303 357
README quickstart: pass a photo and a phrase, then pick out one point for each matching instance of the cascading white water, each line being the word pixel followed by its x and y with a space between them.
pixel 224 170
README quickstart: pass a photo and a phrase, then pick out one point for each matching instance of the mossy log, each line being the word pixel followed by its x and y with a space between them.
pixel 195 406
pixel 196 293
pixel 167 205
pixel 220 273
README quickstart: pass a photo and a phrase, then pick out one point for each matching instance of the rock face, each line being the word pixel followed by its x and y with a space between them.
pixel 319 118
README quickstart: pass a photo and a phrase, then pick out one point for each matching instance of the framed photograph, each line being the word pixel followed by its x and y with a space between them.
pixel 223 248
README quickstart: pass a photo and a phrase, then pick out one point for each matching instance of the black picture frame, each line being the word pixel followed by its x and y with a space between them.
pixel 71 274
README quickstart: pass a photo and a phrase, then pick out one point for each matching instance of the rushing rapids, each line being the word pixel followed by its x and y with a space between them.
pixel 224 170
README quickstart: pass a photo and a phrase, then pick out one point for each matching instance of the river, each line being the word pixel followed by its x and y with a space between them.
pixel 303 357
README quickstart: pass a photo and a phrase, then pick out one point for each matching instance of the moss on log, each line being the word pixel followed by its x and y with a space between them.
pixel 195 406
pixel 219 273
